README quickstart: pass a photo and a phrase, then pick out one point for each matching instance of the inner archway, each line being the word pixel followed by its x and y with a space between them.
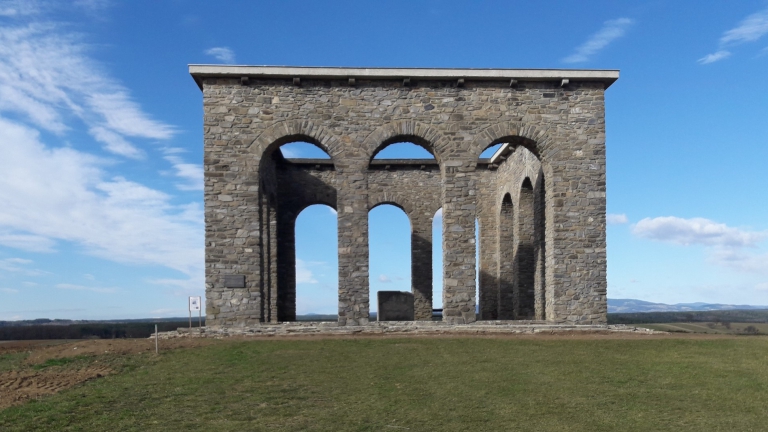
pixel 316 271
pixel 291 260
pixel 404 150
pixel 389 233
pixel 525 261
pixel 506 299
pixel 437 262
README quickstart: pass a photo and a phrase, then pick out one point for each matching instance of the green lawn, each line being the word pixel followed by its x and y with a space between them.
pixel 708 327
pixel 423 384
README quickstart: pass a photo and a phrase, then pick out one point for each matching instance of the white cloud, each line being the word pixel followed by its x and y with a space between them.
pixel 85 288
pixel 751 29
pixel 384 279
pixel 695 231
pixel 726 246
pixel 9 290
pixel 333 211
pixel 611 30
pixel 125 116
pixel 191 174
pixel 303 273
pixel 762 286
pixel 616 219
pixel 222 54
pixel 115 143
pixel 27 242
pixel 47 77
pixel 18 265
pixel 61 194
pixel 717 56
pixel 14 8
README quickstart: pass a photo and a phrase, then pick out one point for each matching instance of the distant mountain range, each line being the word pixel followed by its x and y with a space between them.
pixel 632 305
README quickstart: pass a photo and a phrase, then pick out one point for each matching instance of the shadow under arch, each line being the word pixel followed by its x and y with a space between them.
pixel 405 131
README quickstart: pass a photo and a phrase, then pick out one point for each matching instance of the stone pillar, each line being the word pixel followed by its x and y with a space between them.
pixel 489 262
pixel 286 267
pixel 421 267
pixel 539 247
pixel 352 198
pixel 506 247
pixel 575 246
pixel 459 242
pixel 525 263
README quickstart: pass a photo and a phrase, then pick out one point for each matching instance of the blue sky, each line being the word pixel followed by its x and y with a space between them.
pixel 101 138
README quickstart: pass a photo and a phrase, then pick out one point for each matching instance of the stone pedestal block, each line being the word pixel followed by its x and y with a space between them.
pixel 395 306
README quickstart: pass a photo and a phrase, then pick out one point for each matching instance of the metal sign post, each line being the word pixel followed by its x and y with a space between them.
pixel 194 305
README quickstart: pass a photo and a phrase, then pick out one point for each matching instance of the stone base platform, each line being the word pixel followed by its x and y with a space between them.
pixel 307 328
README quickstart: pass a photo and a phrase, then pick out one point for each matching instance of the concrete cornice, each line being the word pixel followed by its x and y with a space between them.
pixel 563 76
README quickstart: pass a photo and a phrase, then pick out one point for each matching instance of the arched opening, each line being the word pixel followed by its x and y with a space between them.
pixel 302 150
pixel 389 234
pixel 316 269
pixel 525 260
pixel 490 151
pixel 519 236
pixel 437 264
pixel 289 188
pixel 404 150
pixel 506 278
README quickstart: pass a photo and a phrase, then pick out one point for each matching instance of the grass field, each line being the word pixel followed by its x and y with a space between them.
pixel 417 384
pixel 709 327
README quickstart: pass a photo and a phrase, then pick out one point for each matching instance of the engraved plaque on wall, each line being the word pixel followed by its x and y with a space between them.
pixel 234 281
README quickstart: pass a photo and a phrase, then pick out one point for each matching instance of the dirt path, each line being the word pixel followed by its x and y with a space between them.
pixel 25 383
pixel 20 386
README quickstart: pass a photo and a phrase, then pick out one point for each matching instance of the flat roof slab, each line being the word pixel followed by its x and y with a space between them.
pixel 198 72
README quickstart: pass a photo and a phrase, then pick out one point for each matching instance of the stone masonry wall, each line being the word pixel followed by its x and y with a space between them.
pixel 562 126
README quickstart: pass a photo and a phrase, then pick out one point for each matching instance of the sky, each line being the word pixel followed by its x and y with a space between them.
pixel 101 211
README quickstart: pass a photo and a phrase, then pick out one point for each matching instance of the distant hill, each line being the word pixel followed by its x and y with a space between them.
pixel 633 306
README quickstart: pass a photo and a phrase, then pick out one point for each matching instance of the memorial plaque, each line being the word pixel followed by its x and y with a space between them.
pixel 234 281
pixel 395 306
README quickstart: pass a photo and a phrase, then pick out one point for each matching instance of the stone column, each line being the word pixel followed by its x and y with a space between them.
pixel 421 267
pixel 459 242
pixel 539 247
pixel 506 247
pixel 489 262
pixel 352 198
pixel 525 263
pixel 575 245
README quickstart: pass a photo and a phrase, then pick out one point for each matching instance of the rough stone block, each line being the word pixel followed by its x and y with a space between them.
pixel 395 306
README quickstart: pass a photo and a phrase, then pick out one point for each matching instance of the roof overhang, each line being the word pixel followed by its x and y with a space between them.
pixel 563 76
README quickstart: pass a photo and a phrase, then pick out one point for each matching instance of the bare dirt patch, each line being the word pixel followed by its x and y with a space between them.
pixel 20 386
pixel 32 379
pixel 97 347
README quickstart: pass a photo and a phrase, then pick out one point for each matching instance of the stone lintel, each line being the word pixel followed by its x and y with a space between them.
pixel 199 72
